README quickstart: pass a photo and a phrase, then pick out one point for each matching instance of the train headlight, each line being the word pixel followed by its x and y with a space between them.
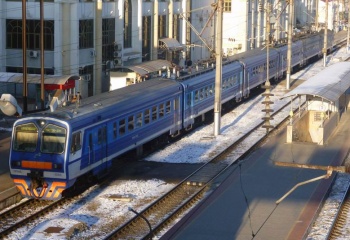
pixel 16 164
pixel 41 123
pixel 57 166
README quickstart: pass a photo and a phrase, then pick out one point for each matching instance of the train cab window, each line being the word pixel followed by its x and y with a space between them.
pixel 161 110
pixel 76 142
pixel 122 127
pixel 154 113
pixel 147 116
pixel 167 107
pixel 131 123
pixel 138 120
pixel 53 139
pixel 26 137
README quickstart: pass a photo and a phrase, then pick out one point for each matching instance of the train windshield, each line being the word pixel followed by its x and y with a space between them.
pixel 26 137
pixel 53 139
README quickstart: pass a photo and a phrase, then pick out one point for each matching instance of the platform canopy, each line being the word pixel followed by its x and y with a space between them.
pixel 146 67
pixel 170 44
pixel 329 84
pixel 7 77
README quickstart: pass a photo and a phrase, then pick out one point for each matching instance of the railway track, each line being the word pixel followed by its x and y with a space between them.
pixel 342 219
pixel 162 213
pixel 32 209
pixel 23 213
pixel 334 217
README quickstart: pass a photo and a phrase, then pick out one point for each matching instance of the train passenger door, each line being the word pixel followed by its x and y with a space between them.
pixel 177 113
pixel 96 146
pixel 101 154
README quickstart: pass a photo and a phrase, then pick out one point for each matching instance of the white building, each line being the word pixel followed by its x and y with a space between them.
pixel 129 32
pixel 245 21
pixel 89 37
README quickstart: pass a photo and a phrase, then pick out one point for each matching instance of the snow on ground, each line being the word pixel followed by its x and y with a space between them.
pixel 98 209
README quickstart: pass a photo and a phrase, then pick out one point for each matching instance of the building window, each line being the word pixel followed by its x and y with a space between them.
pixel 127 24
pixel 86 34
pixel 146 38
pixel 108 39
pixel 176 26
pixel 14 34
pixel 88 70
pixel 227 5
pixel 162 26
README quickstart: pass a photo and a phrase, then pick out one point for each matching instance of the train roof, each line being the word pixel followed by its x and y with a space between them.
pixel 124 99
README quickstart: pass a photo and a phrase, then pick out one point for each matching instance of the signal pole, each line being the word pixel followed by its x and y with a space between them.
pixel 348 26
pixel 24 51
pixel 290 38
pixel 218 74
pixel 324 50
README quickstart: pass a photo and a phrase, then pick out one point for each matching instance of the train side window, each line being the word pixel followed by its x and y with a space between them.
pixel 138 120
pixel 147 117
pixel 235 80
pixel 196 96
pixel 189 100
pixel 211 89
pixel 122 127
pixel 76 142
pixel 224 84
pixel 201 94
pixel 154 113
pixel 90 142
pixel 101 135
pixel 168 107
pixel 115 130
pixel 161 110
pixel 131 123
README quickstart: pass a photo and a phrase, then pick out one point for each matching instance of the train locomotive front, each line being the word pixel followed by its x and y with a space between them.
pixel 38 155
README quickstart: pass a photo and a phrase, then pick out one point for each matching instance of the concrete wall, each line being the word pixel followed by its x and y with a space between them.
pixel 329 126
pixel 301 129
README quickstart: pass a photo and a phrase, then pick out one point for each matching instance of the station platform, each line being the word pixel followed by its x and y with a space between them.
pixel 8 191
pixel 244 205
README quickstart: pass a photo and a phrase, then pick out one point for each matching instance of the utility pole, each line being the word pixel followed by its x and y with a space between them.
pixel 260 9
pixel 98 48
pixel 325 36
pixel 252 36
pixel 24 53
pixel 316 17
pixel 267 94
pixel 290 39
pixel 42 60
pixel 348 26
pixel 218 75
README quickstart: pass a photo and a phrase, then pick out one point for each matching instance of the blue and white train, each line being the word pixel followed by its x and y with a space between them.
pixel 51 150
